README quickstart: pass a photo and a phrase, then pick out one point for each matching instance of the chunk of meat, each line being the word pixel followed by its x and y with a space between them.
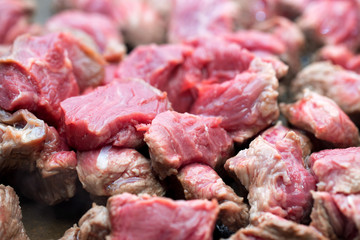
pixel 275 177
pixel 322 117
pixel 177 139
pixel 125 105
pixel 38 159
pixel 340 85
pixel 246 104
pixel 101 29
pixel 336 216
pixel 111 170
pixel 14 18
pixel 204 18
pixel 332 22
pixel 11 226
pixel 202 182
pixel 337 170
pixel 155 218
pixel 271 227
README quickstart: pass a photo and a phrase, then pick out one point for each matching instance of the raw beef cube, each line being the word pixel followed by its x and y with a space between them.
pixel 203 18
pixel 36 158
pixel 177 139
pixel 332 22
pixel 336 216
pixel 322 117
pixel 111 170
pixel 101 29
pixel 11 226
pixel 337 170
pixel 275 177
pixel 246 104
pixel 14 19
pixel 271 227
pixel 111 114
pixel 154 218
pixel 332 81
pixel 202 182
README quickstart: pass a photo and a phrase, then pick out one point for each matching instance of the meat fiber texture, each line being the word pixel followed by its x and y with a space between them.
pixel 247 104
pixel 100 29
pixel 202 182
pixel 322 117
pixel 112 114
pixel 153 218
pixel 42 71
pixel 332 22
pixel 44 167
pixel 111 170
pixel 337 170
pixel 336 216
pixel 15 19
pixel 11 226
pixel 326 79
pixel 275 177
pixel 271 227
pixel 177 139
pixel 204 18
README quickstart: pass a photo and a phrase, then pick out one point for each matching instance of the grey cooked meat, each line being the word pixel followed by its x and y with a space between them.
pixel 35 153
pixel 112 170
pixel 11 226
pixel 322 117
pixel 275 176
pixel 336 216
pixel 271 227
pixel 202 182
pixel 177 139
pixel 337 170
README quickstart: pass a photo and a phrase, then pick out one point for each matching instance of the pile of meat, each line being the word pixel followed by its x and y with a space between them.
pixel 184 119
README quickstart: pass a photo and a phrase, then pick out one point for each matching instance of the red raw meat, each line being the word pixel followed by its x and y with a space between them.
pixel 322 117
pixel 154 218
pixel 111 114
pixel 246 104
pixel 337 170
pixel 177 139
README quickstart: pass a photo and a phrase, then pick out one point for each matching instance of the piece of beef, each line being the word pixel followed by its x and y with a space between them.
pixel 332 81
pixel 274 175
pixel 177 139
pixel 14 19
pixel 11 226
pixel 337 170
pixel 322 117
pixel 155 218
pixel 110 72
pixel 248 102
pixel 336 216
pixel 271 227
pixel 94 225
pixel 340 55
pixel 101 29
pixel 332 22
pixel 37 158
pixel 111 114
pixel 112 170
pixel 202 182
pixel 203 18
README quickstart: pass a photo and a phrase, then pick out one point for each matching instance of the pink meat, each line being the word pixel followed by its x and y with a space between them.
pixel 154 218
pixel 275 177
pixel 337 170
pixel 176 139
pixel 203 18
pixel 248 102
pixel 111 114
pixel 322 117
